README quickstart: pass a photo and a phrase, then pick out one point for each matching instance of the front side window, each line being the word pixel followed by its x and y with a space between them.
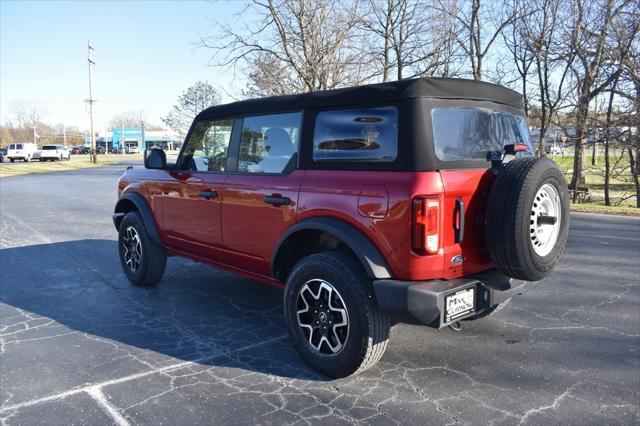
pixel 207 146
pixel 461 134
pixel 268 142
pixel 360 135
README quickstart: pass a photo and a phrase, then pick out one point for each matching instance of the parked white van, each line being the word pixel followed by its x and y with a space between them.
pixel 21 151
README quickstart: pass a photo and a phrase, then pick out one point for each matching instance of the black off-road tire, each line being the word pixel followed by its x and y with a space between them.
pixel 154 257
pixel 510 207
pixel 368 327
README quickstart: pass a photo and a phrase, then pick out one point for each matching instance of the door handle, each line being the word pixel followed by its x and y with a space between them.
pixel 208 194
pixel 277 200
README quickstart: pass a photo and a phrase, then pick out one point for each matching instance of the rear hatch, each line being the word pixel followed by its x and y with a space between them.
pixel 49 151
pixel 462 137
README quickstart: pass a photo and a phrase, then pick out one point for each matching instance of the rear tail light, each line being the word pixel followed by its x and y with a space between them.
pixel 426 222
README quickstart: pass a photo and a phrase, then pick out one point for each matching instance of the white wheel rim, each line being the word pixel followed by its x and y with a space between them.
pixel 323 317
pixel 545 220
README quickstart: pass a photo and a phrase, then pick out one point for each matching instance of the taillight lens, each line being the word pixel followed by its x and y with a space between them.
pixel 426 222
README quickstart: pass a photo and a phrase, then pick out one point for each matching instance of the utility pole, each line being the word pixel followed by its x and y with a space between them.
pixel 142 130
pixel 64 135
pixel 93 135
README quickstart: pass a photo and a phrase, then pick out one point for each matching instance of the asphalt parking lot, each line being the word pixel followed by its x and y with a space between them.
pixel 79 345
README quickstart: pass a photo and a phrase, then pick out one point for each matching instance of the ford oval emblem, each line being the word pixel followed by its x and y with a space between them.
pixel 457 259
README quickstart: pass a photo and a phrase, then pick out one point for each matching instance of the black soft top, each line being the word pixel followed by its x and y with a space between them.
pixel 439 88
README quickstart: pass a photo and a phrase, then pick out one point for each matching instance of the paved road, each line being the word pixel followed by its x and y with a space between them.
pixel 79 345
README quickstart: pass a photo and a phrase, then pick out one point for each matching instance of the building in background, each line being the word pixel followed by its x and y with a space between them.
pixel 136 137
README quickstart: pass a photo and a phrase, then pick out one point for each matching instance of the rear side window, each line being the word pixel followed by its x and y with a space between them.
pixel 461 134
pixel 356 135
pixel 269 142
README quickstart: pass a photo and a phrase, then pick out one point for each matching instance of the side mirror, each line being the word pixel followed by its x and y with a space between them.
pixel 155 158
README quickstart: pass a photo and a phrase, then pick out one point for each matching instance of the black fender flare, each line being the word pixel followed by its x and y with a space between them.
pixel 369 256
pixel 145 211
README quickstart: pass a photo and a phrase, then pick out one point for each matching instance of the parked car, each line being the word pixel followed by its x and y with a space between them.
pixel 132 150
pixel 100 150
pixel 418 200
pixel 21 151
pixel 85 150
pixel 75 150
pixel 3 152
pixel 53 153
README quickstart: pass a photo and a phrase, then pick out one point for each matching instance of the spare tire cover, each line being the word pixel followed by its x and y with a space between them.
pixel 527 218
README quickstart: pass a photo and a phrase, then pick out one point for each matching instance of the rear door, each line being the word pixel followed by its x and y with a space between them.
pixel 463 133
pixel 191 200
pixel 260 199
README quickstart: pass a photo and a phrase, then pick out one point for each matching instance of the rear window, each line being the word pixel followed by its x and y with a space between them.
pixel 15 146
pixel 461 134
pixel 356 135
pixel 49 147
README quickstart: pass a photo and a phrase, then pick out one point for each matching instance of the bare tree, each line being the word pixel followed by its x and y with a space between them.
pixel 411 38
pixel 516 37
pixel 5 136
pixel 379 24
pixel 28 116
pixel 598 62
pixel 631 94
pixel 479 27
pixel 295 46
pixel 552 60
pixel 194 100
pixel 125 119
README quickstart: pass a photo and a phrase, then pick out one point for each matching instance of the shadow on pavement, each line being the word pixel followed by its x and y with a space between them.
pixel 195 313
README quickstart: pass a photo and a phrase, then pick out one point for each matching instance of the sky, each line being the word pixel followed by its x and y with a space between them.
pixel 146 55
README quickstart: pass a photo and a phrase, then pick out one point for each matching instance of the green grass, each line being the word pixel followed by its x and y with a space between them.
pixel 76 162
pixel 621 187
pixel 598 208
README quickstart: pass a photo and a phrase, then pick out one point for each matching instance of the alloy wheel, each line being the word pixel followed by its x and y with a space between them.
pixel 132 249
pixel 323 317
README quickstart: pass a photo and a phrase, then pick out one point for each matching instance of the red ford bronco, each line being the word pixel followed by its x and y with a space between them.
pixel 418 200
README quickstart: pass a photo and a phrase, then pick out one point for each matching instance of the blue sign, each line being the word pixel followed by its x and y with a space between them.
pixel 131 134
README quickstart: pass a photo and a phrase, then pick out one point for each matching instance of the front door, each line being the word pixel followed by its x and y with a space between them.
pixel 191 201
pixel 260 200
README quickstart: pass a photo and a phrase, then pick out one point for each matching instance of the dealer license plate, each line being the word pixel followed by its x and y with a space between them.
pixel 459 304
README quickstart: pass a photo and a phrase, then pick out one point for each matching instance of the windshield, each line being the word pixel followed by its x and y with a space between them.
pixel 47 147
pixel 461 134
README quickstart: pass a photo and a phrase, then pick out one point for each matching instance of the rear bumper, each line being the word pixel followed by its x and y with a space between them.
pixel 424 301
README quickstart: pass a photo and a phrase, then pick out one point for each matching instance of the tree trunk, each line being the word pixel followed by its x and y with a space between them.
pixel 577 180
pixel 607 137
pixel 634 173
pixel 607 169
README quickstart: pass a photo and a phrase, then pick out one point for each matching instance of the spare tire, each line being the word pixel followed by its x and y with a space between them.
pixel 527 218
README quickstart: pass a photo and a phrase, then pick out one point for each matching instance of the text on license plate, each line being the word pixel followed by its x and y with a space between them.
pixel 459 303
